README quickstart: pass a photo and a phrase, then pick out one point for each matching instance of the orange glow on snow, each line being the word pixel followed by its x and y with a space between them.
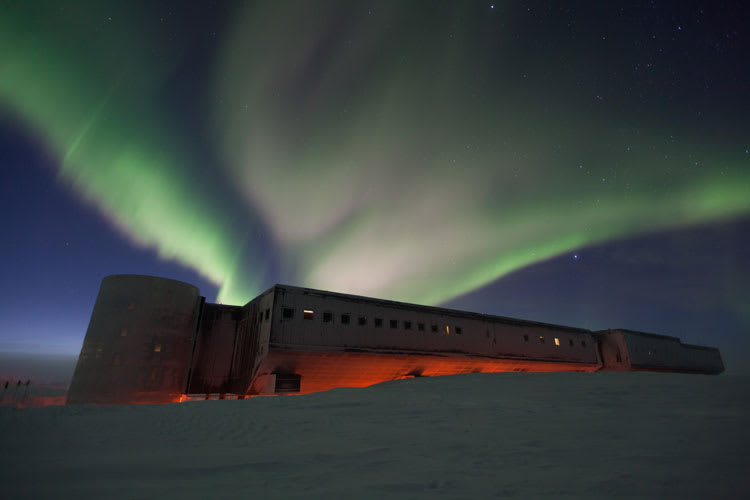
pixel 35 401
pixel 325 371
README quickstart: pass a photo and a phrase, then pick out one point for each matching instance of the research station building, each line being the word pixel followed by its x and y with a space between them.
pixel 156 340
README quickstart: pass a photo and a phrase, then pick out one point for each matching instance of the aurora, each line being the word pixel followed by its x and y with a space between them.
pixel 415 153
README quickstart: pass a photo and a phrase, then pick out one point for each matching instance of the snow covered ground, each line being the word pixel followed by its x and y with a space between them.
pixel 519 435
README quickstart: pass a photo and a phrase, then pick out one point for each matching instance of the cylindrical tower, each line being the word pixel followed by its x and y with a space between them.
pixel 139 341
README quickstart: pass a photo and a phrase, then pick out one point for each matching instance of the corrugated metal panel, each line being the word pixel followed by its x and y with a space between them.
pixel 245 348
pixel 214 346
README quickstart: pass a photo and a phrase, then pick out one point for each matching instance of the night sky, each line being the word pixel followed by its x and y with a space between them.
pixel 584 163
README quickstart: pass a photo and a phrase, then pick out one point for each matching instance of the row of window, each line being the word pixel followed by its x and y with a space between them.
pixel 346 319
pixel 542 340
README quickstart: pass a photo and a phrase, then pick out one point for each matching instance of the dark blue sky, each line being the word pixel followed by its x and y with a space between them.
pixel 580 164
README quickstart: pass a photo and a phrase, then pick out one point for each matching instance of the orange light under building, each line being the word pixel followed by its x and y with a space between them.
pixel 326 371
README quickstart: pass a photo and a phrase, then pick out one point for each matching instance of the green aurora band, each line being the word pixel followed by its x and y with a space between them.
pixel 401 163
pixel 397 162
pixel 92 99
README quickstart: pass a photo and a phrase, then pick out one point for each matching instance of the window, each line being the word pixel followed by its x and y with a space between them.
pixel 394 323
pixel 459 331
pixel 541 339
pixel 362 320
pixel 344 319
pixel 124 332
pixel 288 313
pixel 525 338
pixel 268 314
pixel 327 317
pixel 157 347
pixel 407 325
pixel 557 342
pixel 583 343
pixel 378 322
pixel 308 314
pixel 447 330
pixel 433 328
pixel 420 327
pixel 570 341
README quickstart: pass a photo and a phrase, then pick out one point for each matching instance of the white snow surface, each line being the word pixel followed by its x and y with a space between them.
pixel 519 435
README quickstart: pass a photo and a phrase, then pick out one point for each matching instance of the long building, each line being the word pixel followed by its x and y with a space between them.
pixel 156 340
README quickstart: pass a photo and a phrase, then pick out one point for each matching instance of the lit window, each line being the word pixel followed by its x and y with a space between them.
pixel 378 322
pixel 433 328
pixel 288 313
pixel 420 327
pixel 541 339
pixel 308 314
pixel 344 319
pixel 525 338
pixel 157 347
pixel 407 325
pixel 557 341
pixel 362 320
pixel 447 330
pixel 394 323
pixel 459 331
pixel 327 317
pixel 124 332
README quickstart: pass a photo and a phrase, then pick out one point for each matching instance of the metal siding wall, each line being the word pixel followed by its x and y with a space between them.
pixel 212 356
pixel 230 346
pixel 479 337
pixel 611 343
pixel 657 352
